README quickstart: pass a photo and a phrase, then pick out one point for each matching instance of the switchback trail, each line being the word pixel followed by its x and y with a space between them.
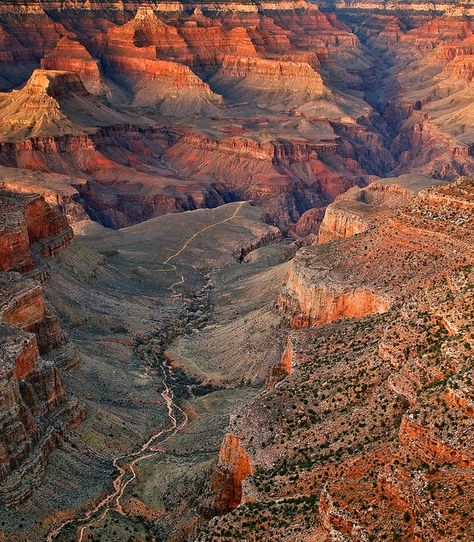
pixel 173 267
pixel 202 230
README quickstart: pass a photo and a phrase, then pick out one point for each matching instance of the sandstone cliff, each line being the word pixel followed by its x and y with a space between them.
pixel 358 209
pixel 30 225
pixel 233 467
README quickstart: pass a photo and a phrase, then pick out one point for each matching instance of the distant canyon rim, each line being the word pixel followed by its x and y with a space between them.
pixel 236 283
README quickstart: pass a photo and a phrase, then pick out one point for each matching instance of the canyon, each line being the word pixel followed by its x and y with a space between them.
pixel 175 107
pixel 236 270
pixel 367 432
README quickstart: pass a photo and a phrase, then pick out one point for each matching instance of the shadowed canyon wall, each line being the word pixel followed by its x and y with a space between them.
pixel 35 409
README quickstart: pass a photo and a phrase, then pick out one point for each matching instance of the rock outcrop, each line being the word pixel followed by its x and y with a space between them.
pixel 23 305
pixel 233 467
pixel 71 56
pixel 134 57
pixel 52 104
pixel 61 191
pixel 31 225
pixel 318 296
pixel 242 78
pixel 359 209
pixel 284 367
pixel 35 413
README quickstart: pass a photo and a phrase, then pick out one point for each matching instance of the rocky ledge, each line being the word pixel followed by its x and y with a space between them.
pixel 367 433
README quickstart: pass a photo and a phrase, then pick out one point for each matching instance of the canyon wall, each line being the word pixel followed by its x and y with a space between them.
pixel 30 225
pixel 319 298
pixel 178 106
pixel 369 433
pixel 36 410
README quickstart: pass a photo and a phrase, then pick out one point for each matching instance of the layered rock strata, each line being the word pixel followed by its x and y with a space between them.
pixel 36 411
pixel 209 72
pixel 30 225
pixel 358 209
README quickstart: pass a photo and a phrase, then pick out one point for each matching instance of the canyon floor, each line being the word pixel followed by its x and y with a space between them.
pixel 236 386
pixel 133 301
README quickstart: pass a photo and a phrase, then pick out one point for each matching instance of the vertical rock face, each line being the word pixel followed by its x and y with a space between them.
pixel 253 78
pixel 30 225
pixel 15 251
pixel 47 227
pixel 234 466
pixel 70 55
pixel 34 409
pixel 319 292
pixel 35 412
pixel 339 224
pixel 316 296
pixel 60 191
pixel 284 367
pixel 358 209
pixel 23 305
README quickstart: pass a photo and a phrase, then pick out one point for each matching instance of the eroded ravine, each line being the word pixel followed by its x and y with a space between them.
pixel 125 464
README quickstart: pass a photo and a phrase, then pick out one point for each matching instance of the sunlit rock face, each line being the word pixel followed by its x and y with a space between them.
pixel 372 396
pixel 181 103
pixel 318 298
pixel 234 466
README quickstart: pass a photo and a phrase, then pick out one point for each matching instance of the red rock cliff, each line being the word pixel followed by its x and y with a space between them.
pixel 233 467
pixel 35 409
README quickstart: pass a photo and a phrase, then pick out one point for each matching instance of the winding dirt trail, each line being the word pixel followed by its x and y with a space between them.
pixel 126 463
pixel 202 230
pixel 190 240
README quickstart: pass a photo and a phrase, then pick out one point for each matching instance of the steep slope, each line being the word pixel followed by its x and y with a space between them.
pixel 57 190
pixel 367 434
pixel 132 59
pixel 70 55
pixel 358 209
pixel 423 84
